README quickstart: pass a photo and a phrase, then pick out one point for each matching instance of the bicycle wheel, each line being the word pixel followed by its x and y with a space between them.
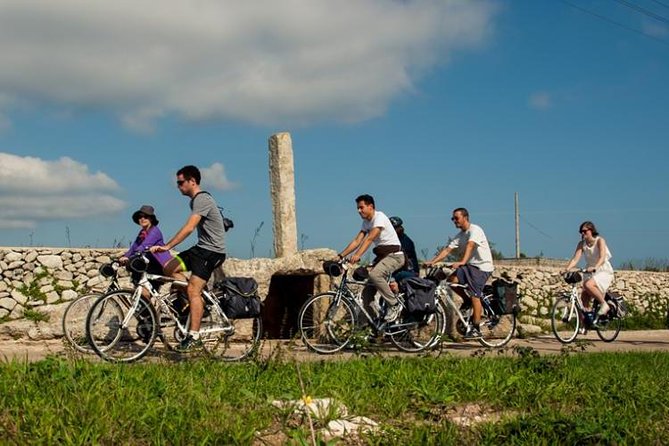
pixel 326 324
pixel 74 321
pixel 418 333
pixel 115 341
pixel 608 329
pixel 231 340
pixel 497 330
pixel 564 319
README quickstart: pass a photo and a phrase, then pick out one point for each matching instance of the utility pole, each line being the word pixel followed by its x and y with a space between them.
pixel 517 226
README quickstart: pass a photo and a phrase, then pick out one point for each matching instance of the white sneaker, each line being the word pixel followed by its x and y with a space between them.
pixel 604 309
pixel 393 313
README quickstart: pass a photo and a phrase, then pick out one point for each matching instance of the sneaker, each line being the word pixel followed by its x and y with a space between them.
pixel 189 344
pixel 604 309
pixel 393 313
pixel 473 333
pixel 582 331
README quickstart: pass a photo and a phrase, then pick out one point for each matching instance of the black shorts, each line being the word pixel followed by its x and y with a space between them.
pixel 201 262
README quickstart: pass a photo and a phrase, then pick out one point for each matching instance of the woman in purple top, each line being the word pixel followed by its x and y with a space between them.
pixel 149 235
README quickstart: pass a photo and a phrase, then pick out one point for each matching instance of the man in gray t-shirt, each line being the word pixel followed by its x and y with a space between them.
pixel 201 259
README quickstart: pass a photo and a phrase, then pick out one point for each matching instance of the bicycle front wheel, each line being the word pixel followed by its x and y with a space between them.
pixel 326 323
pixel 74 321
pixel 231 340
pixel 608 329
pixel 418 333
pixel 497 330
pixel 564 319
pixel 117 336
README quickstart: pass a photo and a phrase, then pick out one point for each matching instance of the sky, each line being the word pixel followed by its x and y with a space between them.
pixel 426 105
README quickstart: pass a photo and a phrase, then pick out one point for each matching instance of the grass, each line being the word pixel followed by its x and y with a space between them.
pixel 598 398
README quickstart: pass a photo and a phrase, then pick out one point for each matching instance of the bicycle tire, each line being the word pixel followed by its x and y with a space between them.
pixel 608 329
pixel 565 320
pixel 113 342
pixel 497 330
pixel 74 321
pixel 326 324
pixel 420 335
pixel 233 340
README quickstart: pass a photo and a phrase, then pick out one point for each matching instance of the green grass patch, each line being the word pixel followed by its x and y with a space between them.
pixel 597 398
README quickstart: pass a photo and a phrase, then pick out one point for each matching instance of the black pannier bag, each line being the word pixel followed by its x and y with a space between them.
pixel 617 303
pixel 420 297
pixel 238 297
pixel 504 297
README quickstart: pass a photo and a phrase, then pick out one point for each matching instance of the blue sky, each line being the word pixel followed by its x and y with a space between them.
pixel 426 105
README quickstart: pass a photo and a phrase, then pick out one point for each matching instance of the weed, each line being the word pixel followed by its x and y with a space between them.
pixel 35 315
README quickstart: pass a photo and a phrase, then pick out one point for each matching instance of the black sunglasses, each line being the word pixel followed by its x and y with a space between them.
pixel 180 182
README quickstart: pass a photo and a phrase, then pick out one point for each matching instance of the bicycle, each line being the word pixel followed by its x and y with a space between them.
pixel 74 317
pixel 329 321
pixel 568 314
pixel 122 326
pixel 497 324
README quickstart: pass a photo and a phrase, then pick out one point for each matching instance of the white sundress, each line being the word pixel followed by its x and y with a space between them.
pixel 604 274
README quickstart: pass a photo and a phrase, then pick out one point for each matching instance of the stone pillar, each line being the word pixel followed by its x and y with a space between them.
pixel 282 190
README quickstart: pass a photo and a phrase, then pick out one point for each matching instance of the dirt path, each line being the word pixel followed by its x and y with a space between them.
pixel 655 340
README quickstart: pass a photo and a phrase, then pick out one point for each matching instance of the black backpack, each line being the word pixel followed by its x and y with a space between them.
pixel 227 223
pixel 420 296
pixel 238 297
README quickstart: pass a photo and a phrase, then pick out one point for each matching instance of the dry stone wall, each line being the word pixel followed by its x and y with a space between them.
pixel 47 279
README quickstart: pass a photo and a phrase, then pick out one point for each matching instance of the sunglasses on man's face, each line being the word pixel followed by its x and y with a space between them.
pixel 141 216
pixel 180 182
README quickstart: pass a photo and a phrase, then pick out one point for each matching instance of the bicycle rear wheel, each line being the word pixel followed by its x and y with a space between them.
pixel 564 319
pixel 420 334
pixel 496 330
pixel 608 329
pixel 232 340
pixel 326 323
pixel 115 341
pixel 74 321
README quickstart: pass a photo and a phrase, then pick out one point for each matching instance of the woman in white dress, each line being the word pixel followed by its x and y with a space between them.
pixel 599 272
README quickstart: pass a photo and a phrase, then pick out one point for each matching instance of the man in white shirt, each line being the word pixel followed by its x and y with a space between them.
pixel 377 229
pixel 473 268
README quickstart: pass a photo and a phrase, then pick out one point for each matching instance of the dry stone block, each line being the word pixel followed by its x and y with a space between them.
pixel 69 295
pixel 18 296
pixel 51 261
pixel 7 303
pixel 14 265
pixel 13 256
pixel 31 256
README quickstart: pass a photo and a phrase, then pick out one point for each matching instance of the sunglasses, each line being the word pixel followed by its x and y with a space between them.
pixel 140 216
pixel 180 182
pixel 455 218
pixel 583 231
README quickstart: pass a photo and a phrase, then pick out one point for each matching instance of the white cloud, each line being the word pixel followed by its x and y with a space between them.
pixel 214 176
pixel 540 100
pixel 33 190
pixel 290 62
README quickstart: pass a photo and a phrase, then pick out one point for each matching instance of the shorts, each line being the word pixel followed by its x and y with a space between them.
pixel 473 277
pixel 201 262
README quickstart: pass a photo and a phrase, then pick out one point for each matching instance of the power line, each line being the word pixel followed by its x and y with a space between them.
pixel 534 227
pixel 613 22
pixel 642 10
pixel 661 3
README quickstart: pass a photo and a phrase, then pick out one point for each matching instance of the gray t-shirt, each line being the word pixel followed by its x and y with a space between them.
pixel 210 230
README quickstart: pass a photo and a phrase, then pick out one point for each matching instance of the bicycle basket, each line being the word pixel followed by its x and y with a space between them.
pixel 361 273
pixel 332 268
pixel 138 264
pixel 108 270
pixel 572 277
